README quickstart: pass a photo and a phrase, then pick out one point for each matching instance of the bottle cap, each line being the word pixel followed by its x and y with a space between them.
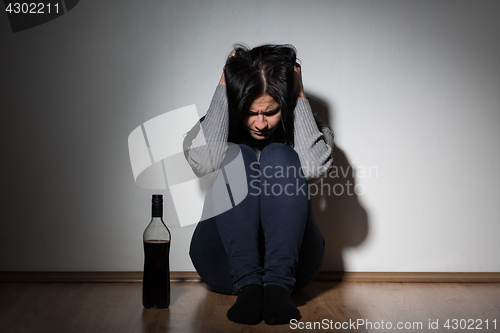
pixel 157 199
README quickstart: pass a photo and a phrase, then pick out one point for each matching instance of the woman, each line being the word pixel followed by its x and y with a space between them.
pixel 268 245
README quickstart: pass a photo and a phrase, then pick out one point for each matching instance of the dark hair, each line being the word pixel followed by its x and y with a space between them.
pixel 251 73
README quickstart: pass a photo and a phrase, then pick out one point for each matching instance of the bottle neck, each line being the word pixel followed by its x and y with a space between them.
pixel 157 210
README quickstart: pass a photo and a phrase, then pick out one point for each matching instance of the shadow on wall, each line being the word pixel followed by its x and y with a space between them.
pixel 338 212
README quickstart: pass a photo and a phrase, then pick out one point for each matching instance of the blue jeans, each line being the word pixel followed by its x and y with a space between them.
pixel 271 237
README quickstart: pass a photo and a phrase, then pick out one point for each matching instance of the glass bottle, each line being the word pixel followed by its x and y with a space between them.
pixel 156 280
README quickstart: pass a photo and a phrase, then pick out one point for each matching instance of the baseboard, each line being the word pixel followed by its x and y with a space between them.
pixel 410 277
pixel 90 277
pixel 379 277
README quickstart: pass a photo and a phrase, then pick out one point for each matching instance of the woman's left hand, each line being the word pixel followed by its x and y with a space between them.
pixel 299 88
pixel 222 80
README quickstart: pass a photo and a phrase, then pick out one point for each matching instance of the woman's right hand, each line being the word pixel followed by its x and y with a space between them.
pixel 299 88
pixel 222 80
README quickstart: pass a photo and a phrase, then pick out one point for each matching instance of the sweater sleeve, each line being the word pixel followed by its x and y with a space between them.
pixel 313 142
pixel 207 150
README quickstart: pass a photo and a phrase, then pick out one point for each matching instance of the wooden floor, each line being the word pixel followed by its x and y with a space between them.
pixel 117 307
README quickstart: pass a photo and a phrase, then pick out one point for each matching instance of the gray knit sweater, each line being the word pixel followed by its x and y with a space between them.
pixel 313 140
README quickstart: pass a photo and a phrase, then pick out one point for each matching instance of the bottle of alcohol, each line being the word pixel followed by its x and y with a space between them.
pixel 156 280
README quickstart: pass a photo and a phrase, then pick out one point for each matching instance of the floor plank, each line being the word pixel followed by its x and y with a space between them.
pixel 117 307
pixel 461 302
pixel 386 307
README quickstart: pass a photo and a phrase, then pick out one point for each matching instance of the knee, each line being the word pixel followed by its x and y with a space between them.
pixel 235 152
pixel 247 152
pixel 279 154
pixel 244 149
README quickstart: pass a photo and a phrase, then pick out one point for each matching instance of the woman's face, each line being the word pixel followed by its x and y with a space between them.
pixel 263 117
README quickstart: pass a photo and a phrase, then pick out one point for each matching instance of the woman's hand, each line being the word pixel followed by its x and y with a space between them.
pixel 222 80
pixel 299 88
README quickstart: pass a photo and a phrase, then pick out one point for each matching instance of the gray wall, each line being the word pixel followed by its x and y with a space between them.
pixel 411 89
